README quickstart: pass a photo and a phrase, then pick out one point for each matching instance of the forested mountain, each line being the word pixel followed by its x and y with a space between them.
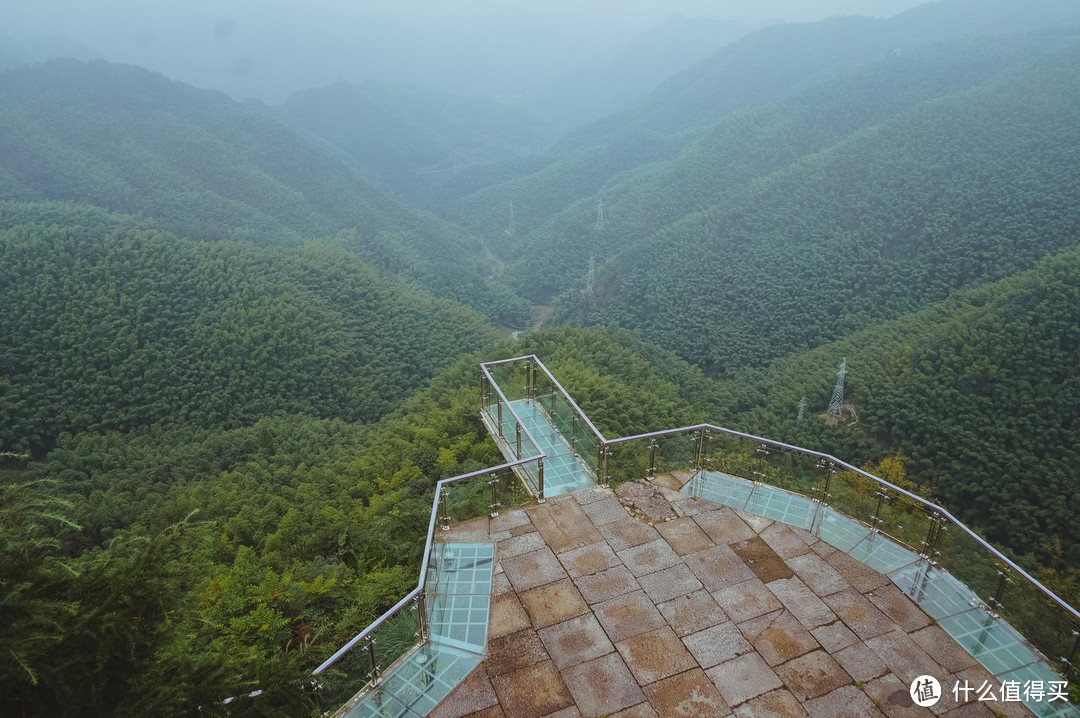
pixel 751 144
pixel 952 192
pixel 206 167
pixel 411 138
pixel 765 67
pixel 111 324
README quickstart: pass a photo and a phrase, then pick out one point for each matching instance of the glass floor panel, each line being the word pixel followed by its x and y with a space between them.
pixel 460 605
pixel 564 471
pixel 990 640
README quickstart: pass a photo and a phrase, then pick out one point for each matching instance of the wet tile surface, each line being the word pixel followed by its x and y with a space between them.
pixel 713 613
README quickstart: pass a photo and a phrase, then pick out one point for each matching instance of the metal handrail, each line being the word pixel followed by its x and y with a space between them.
pixel 556 384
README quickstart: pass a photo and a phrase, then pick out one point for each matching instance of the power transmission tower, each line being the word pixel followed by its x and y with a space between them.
pixel 802 411
pixel 592 247
pixel 837 403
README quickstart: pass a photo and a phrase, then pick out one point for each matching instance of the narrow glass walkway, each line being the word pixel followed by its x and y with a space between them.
pixel 564 471
pixel 990 640
pixel 459 604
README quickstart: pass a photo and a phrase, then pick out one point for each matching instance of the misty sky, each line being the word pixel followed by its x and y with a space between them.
pixel 495 48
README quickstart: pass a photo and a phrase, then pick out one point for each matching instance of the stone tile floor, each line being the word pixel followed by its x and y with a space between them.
pixel 647 602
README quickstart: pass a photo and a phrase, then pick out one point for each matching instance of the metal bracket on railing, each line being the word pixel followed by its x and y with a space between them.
pixel 444 519
pixel 528 379
pixel 493 482
pixel 421 617
pixel 484 392
pixel 1071 660
pixel 1004 577
pixel 602 454
pixel 933 536
pixel 652 459
pixel 876 519
pixel 373 665
pixel 540 478
pixel 498 403
pixel 762 451
pixel 573 432
pixel 517 432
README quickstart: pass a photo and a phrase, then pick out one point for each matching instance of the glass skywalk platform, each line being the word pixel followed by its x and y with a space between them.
pixel 989 639
pixel 564 471
pixel 459 605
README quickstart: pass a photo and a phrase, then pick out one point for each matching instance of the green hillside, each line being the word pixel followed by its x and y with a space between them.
pixel 206 167
pixel 955 191
pixel 110 324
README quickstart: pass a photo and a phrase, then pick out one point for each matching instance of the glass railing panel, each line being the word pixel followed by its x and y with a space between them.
pixel 675 454
pixel 467 499
pixel 585 444
pixel 1050 628
pixel 511 379
pixel 855 495
pixel 967 560
pixel 627 461
pixel 373 656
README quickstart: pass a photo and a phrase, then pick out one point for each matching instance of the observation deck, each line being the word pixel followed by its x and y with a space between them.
pixel 693 572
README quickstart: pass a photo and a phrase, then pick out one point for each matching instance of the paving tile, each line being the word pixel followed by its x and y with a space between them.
pixel 500 584
pixel 606 585
pixel 592 493
pixel 563 524
pixel 718 567
pixel 523 529
pixel 861 577
pixel 641 710
pixel 897 606
pixel 778 637
pixel 589 559
pixel 861 663
pixel 784 541
pixel 471 695
pixel 812 675
pixel 723 526
pixel 943 649
pixel 746 600
pixel 575 641
pixel 894 698
pixel 845 702
pixel 757 523
pixel 514 651
pixel 903 656
pixel 761 559
pixel 684 536
pixel 507 520
pixel 775 704
pixel 823 548
pixel 717 644
pixel 802 602
pixel 532 692
pixel 604 511
pixel 655 655
pixel 628 616
pixel 571 712
pixel 507 616
pixel 648 557
pixel 603 686
pixel 627 533
pixel 492 712
pixel 834 636
pixel 669 583
pixel 743 678
pixel 517 545
pixel 687 695
pixel 693 613
pixel 693 506
pixel 819 577
pixel 553 603
pixel 533 569
pixel 859 614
